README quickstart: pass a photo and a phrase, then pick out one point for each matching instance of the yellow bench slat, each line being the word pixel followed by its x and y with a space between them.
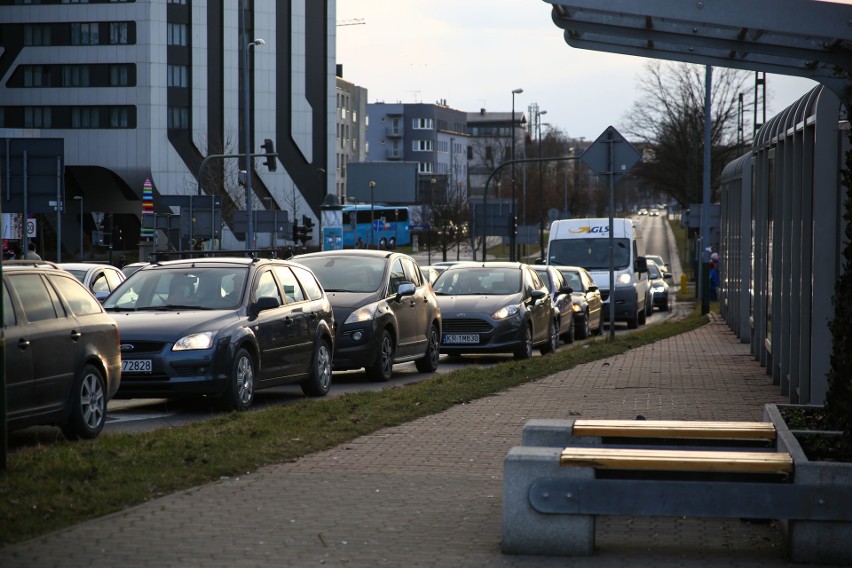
pixel 675 429
pixel 677 460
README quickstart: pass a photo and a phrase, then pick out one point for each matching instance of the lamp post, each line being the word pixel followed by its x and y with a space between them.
pixel 247 127
pixel 512 208
pixel 540 187
pixel 80 198
pixel 429 223
pixel 372 209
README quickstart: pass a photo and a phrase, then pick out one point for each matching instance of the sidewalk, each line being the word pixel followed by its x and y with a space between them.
pixel 428 493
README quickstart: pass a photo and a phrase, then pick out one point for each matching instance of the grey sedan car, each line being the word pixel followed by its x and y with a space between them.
pixel 496 307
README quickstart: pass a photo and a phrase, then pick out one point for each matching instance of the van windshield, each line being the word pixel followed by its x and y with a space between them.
pixel 591 254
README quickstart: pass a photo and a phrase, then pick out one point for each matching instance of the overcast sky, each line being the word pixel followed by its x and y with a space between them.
pixel 473 53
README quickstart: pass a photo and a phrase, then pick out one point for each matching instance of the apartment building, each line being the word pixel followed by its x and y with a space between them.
pixel 98 96
pixel 352 123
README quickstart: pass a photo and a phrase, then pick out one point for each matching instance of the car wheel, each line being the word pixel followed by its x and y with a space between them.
pixel 665 306
pixel 582 331
pixel 552 340
pixel 318 382
pixel 383 243
pixel 240 393
pixel 526 348
pixel 633 322
pixel 643 318
pixel 382 369
pixel 429 362
pixel 392 243
pixel 88 405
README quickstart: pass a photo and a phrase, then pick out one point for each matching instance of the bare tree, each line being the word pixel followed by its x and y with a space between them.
pixel 668 116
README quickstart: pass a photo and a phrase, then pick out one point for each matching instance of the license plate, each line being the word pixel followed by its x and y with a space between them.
pixel 136 366
pixel 458 338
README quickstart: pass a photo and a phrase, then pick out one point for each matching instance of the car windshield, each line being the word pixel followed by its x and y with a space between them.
pixel 591 254
pixel 478 281
pixel 201 288
pixel 351 273
pixel 657 259
pixel 78 274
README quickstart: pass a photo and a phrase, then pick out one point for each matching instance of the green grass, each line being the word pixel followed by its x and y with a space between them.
pixel 53 485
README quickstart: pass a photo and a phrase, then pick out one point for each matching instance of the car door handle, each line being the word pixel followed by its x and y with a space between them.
pixel 23 344
pixel 75 335
pixel 288 320
pixel 312 315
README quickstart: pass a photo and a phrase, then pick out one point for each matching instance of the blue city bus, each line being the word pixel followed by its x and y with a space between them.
pixel 391 227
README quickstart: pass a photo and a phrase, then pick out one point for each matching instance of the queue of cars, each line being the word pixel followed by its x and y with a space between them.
pixel 227 327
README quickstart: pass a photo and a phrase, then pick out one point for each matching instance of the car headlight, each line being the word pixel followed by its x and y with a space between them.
pixel 577 308
pixel 625 278
pixel 203 340
pixel 362 314
pixel 506 312
pixel 658 289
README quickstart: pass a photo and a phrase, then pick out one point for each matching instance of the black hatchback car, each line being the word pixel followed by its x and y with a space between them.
pixel 385 309
pixel 222 327
pixel 62 356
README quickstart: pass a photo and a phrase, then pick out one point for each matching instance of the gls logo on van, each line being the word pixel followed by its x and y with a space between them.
pixel 590 230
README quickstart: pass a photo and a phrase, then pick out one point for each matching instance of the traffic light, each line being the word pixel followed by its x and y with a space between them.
pixel 513 224
pixel 296 231
pixel 271 157
pixel 308 225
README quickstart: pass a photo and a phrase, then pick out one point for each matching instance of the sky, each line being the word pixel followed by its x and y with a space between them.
pixel 474 53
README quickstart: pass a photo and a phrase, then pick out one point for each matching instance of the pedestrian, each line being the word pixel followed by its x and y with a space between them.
pixel 31 253
pixel 714 282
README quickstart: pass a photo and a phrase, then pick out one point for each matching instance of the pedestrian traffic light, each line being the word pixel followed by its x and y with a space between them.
pixel 271 157
pixel 308 225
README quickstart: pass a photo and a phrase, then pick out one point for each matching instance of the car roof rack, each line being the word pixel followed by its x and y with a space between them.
pixel 33 263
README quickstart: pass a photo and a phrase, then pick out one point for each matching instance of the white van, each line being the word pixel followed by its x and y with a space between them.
pixel 585 242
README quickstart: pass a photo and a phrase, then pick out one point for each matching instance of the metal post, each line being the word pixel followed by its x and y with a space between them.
pixel 429 221
pixel 59 207
pixel 247 128
pixel 80 198
pixel 372 209
pixel 703 283
pixel 512 208
pixel 540 190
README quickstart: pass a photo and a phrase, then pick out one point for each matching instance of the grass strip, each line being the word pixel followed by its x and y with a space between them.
pixel 48 487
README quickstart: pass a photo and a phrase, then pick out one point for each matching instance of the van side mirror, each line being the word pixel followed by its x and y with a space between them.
pixel 641 265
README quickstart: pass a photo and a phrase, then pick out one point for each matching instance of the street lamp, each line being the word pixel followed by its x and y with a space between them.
pixel 512 133
pixel 246 105
pixel 80 198
pixel 540 187
pixel 372 209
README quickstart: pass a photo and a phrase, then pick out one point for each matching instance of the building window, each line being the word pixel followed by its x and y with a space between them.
pixel 36 34
pixel 181 2
pixel 421 145
pixel 424 168
pixel 118 117
pixel 85 117
pixel 422 124
pixel 177 34
pixel 178 76
pixel 75 75
pixel 118 33
pixel 119 75
pixel 178 117
pixel 36 117
pixel 84 34
pixel 35 76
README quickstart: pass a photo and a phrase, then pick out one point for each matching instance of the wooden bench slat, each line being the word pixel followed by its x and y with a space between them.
pixel 677 460
pixel 675 429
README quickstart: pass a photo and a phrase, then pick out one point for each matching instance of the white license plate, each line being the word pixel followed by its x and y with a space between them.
pixel 136 366
pixel 458 338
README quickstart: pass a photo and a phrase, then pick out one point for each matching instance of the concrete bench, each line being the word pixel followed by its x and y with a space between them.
pixel 569 472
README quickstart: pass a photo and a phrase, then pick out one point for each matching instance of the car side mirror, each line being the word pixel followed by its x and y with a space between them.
pixel 265 303
pixel 405 289
pixel 102 295
pixel 537 295
pixel 641 265
pixel 566 290
pixel 593 288
pixel 667 275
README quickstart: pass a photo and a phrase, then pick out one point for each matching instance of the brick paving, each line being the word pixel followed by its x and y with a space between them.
pixel 429 492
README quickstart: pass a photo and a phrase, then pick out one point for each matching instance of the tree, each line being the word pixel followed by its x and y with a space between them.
pixel 669 117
